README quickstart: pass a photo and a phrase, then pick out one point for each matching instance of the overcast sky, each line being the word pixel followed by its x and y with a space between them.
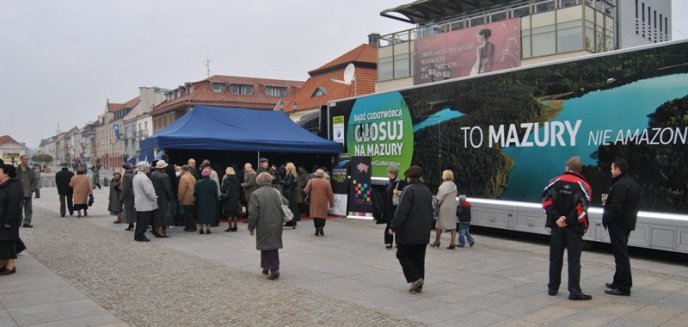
pixel 60 60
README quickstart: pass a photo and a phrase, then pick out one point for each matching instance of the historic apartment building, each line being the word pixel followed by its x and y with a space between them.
pixel 226 91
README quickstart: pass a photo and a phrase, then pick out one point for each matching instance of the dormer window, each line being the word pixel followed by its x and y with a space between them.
pixel 218 87
pixel 242 89
pixel 275 91
pixel 320 91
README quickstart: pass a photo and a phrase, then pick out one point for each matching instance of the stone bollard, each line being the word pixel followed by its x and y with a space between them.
pixel 106 182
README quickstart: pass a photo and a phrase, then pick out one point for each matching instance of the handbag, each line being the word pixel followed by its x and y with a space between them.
pixel 395 198
pixel 90 200
pixel 286 212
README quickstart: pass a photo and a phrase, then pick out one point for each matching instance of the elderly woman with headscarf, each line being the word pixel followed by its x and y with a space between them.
pixel 230 198
pixel 82 189
pixel 205 193
pixel 266 218
pixel 321 198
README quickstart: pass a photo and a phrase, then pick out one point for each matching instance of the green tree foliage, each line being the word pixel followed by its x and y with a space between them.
pixel 42 157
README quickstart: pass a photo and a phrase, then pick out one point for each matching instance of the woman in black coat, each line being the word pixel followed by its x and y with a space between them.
pixel 229 198
pixel 289 191
pixel 11 192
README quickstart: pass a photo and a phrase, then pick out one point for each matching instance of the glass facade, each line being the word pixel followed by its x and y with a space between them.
pixel 548 27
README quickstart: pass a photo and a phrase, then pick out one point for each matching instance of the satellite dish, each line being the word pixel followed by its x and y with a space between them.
pixel 349 73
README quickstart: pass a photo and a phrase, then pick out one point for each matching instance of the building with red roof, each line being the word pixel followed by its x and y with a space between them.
pixel 11 149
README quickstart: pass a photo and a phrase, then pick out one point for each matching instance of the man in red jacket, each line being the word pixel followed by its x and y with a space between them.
pixel 565 200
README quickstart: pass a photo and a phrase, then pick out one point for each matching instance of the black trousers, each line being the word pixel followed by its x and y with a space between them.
pixel 189 222
pixel 571 239
pixel 319 222
pixel 619 238
pixel 68 199
pixel 412 260
pixel 389 239
pixel 143 219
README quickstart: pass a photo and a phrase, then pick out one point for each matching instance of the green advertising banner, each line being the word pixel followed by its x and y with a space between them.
pixel 381 128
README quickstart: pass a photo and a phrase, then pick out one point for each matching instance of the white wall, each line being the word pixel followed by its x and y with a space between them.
pixel 634 32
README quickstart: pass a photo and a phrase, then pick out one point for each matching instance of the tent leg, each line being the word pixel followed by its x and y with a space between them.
pixel 258 160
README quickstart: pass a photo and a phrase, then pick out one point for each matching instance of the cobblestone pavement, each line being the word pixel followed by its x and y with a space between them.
pixel 346 278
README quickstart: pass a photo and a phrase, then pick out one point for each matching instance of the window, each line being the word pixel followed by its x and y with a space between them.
pixel 385 69
pixel 242 89
pixel 275 91
pixel 570 36
pixel 543 41
pixel 218 87
pixel 320 91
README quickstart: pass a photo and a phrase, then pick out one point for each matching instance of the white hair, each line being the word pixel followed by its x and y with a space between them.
pixel 142 166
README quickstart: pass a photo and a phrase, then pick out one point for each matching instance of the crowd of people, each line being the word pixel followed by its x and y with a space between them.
pixel 161 196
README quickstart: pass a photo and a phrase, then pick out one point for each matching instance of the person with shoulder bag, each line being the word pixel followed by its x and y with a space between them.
pixel 390 201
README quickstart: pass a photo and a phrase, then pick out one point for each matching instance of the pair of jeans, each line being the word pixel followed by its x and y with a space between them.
pixel 570 239
pixel 28 210
pixel 465 234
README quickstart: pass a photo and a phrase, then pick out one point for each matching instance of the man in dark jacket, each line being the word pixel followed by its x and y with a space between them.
pixel 163 189
pixel 28 180
pixel 620 215
pixel 566 200
pixel 64 191
pixel 411 224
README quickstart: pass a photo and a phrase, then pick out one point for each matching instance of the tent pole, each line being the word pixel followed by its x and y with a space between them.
pixel 258 160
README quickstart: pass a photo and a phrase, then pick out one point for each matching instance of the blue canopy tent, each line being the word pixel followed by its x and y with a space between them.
pixel 236 129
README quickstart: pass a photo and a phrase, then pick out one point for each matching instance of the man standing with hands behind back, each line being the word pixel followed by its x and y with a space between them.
pixel 28 180
pixel 565 200
pixel 620 214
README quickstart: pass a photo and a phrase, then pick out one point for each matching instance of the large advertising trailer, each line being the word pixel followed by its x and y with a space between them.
pixel 506 134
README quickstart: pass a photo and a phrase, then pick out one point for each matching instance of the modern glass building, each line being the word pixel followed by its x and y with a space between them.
pixel 454 38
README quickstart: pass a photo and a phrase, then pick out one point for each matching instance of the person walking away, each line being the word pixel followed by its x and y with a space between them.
pixel 173 208
pixel 37 173
pixel 249 184
pixel 205 193
pixel 301 183
pixel 411 226
pixel 145 201
pixel 463 215
pixel 215 178
pixel 290 192
pixel 127 197
pixel 163 189
pixel 446 204
pixel 82 189
pixel 114 204
pixel 321 198
pixel 96 174
pixel 185 195
pixel 619 217
pixel 566 199
pixel 390 201
pixel 265 221
pixel 11 196
pixel 64 191
pixel 28 180
pixel 230 199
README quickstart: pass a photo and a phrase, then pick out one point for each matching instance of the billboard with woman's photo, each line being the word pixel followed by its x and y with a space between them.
pixel 468 51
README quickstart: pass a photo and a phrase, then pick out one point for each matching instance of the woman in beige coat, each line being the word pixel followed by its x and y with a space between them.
pixel 446 202
pixel 321 197
pixel 82 189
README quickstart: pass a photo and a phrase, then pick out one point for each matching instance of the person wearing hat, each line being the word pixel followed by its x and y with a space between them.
pixel 145 201
pixel 263 164
pixel 321 198
pixel 127 197
pixel 411 226
pixel 205 193
pixel 114 204
pixel 163 189
pixel 64 191
pixel 82 189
